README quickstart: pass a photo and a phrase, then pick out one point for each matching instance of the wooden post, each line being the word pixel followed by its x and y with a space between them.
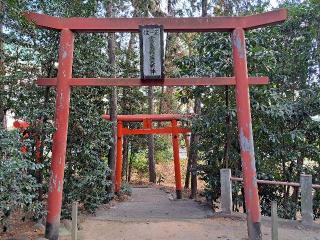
pixel 245 135
pixel 274 220
pixel 306 199
pixel 226 190
pixel 59 144
pixel 176 159
pixel 74 233
pixel 118 177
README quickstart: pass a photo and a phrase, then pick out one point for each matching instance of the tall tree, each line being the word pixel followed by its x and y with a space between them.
pixel 195 137
pixel 2 108
pixel 151 159
pixel 154 8
pixel 113 96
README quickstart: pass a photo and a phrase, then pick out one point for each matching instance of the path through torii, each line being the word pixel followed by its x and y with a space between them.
pixel 64 81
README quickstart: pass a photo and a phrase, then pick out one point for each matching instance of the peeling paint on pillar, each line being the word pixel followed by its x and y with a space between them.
pixel 246 136
pixel 60 186
pixel 59 145
pixel 64 54
pixel 52 182
pixel 245 143
pixel 239 45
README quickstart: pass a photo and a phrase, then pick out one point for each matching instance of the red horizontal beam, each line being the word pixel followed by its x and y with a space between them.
pixel 153 117
pixel 170 24
pixel 266 19
pixel 132 82
pixel 166 130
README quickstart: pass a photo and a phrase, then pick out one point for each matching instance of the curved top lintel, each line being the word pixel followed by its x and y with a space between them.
pixel 266 19
pixel 170 24
pixel 44 21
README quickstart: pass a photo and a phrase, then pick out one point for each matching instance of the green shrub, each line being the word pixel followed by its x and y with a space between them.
pixel 140 163
pixel 126 189
pixel 18 186
pixel 87 173
pixel 163 148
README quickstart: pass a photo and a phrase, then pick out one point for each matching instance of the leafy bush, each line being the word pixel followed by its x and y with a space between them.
pixel 126 189
pixel 86 173
pixel 140 163
pixel 18 186
pixel 163 148
pixel 286 138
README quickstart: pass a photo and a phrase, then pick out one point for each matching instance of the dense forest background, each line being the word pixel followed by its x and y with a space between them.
pixel 285 113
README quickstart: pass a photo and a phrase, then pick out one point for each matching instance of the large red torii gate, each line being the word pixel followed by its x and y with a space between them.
pixel 64 81
pixel 147 120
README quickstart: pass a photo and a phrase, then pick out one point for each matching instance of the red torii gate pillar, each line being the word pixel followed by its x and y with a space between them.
pixel 245 134
pixel 176 158
pixel 118 164
pixel 59 147
pixel 147 129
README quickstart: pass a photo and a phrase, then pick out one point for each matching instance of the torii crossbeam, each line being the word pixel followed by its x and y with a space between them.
pixel 64 81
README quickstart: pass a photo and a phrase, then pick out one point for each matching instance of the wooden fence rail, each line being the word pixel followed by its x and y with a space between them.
pixel 305 185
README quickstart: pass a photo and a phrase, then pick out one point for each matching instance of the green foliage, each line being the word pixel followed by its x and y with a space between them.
pixel 126 189
pixel 31 52
pixel 18 185
pixel 87 172
pixel 163 148
pixel 140 163
pixel 286 137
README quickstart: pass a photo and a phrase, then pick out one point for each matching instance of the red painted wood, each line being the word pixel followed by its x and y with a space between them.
pixel 21 124
pixel 133 82
pixel 146 131
pixel 60 136
pixel 176 158
pixel 118 173
pixel 200 24
pixel 266 19
pixel 153 117
pixel 245 134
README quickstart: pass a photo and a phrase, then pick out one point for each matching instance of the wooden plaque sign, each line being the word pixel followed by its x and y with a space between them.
pixel 151 52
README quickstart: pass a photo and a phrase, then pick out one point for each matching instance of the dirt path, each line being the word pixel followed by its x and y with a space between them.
pixel 152 214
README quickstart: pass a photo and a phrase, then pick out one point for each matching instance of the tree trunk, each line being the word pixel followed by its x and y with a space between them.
pixel 151 160
pixel 228 127
pixel 160 109
pixel 187 179
pixel 126 104
pixel 194 141
pixel 125 156
pixel 170 54
pixel 2 71
pixel 132 153
pixel 204 8
pixel 113 97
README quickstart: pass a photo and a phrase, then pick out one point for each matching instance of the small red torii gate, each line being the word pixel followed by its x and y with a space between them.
pixel 64 81
pixel 147 120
